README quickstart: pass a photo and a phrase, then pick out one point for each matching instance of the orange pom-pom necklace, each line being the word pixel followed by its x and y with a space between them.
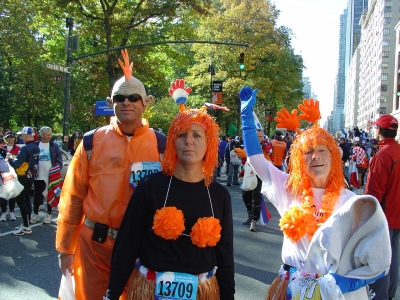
pixel 301 220
pixel 169 223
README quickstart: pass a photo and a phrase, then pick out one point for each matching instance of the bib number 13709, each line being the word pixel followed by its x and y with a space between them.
pixel 174 285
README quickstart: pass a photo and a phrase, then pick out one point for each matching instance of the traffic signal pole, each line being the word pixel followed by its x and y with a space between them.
pixel 70 59
pixel 69 25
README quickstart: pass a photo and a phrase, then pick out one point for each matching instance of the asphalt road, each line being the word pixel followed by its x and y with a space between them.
pixel 29 270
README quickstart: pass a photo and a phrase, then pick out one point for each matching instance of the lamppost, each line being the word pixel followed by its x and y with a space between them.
pixel 69 24
pixel 212 72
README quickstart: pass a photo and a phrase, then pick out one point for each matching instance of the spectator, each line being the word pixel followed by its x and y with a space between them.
pixel 221 151
pixel 265 145
pixel 233 169
pixel 25 165
pixel 383 183
pixel 50 156
pixel 374 149
pixel 2 142
pixel 345 148
pixel 4 167
pixel 13 149
pixel 71 142
pixel 326 229
pixel 96 192
pixel 78 140
pixel 359 156
pixel 279 149
pixel 59 141
pixel 252 199
pixel 144 232
pixel 35 136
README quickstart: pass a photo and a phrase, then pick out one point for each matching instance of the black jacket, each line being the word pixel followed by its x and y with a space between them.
pixel 29 154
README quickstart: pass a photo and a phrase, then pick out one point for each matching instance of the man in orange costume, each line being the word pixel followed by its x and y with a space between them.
pixel 98 187
pixel 279 150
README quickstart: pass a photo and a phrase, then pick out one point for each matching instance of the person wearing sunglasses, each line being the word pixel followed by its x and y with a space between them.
pixel 98 186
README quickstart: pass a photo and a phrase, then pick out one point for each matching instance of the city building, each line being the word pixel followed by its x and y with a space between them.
pixel 396 78
pixel 306 88
pixel 352 91
pixel 377 56
pixel 339 96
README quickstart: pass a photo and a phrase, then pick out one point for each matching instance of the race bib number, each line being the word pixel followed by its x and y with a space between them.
pixel 44 156
pixel 140 170
pixel 174 285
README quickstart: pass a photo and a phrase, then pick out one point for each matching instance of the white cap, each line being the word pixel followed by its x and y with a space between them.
pixel 26 130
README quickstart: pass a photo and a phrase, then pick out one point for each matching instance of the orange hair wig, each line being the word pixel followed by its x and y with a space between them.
pixel 313 137
pixel 182 123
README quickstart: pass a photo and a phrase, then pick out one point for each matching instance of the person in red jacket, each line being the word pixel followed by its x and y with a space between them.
pixel 383 183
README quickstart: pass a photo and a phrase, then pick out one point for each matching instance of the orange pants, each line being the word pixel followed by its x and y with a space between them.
pixel 92 262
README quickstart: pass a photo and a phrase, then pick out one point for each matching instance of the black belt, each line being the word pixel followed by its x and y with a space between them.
pixel 111 232
pixel 287 267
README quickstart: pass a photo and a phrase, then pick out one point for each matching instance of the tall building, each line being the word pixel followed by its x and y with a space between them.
pixel 355 9
pixel 339 95
pixel 306 87
pixel 396 79
pixel 377 58
pixel 352 90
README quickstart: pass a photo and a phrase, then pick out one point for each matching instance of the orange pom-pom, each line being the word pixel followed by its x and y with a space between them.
pixel 206 232
pixel 169 223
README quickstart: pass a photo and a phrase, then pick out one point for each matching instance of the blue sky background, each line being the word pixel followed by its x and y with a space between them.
pixel 315 25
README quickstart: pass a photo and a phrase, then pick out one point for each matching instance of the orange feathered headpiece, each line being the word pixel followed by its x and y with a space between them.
pixel 311 138
pixel 182 123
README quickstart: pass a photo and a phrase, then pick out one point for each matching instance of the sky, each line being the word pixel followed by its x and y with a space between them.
pixel 315 26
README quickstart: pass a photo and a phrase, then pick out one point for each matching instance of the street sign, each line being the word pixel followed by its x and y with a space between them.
pixel 59 78
pixel 102 109
pixel 58 68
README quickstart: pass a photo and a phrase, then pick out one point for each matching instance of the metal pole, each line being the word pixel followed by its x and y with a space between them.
pixel 211 87
pixel 69 25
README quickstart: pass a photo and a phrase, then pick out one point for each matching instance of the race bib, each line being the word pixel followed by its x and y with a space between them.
pixel 140 170
pixel 174 285
pixel 44 156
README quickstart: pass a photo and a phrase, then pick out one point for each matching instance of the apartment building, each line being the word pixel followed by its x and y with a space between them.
pixel 377 55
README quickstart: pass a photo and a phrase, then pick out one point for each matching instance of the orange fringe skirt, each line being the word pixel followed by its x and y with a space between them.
pixel 278 290
pixel 140 288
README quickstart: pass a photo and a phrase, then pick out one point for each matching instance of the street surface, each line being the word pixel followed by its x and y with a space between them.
pixel 29 264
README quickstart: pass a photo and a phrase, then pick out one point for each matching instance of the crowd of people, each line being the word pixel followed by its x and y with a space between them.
pixel 32 163
pixel 139 210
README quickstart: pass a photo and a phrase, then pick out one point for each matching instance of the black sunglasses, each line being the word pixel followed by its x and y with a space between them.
pixel 132 98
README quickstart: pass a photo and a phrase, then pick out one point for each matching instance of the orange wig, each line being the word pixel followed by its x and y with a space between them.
pixel 182 123
pixel 311 138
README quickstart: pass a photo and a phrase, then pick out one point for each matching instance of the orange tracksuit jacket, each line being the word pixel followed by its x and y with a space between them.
pixel 99 189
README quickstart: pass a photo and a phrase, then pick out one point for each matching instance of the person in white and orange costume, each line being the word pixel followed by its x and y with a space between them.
pixel 98 187
pixel 335 243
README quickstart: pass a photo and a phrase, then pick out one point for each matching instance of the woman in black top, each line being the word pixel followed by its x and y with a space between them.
pixel 178 220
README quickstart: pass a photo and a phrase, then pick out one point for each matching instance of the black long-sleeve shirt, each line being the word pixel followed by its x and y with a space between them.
pixel 137 239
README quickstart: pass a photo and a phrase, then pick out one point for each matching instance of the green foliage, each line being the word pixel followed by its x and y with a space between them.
pixel 33 33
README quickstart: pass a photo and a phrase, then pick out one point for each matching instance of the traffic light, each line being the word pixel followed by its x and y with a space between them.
pixel 251 62
pixel 241 61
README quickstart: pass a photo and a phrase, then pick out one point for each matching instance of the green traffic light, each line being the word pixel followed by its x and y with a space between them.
pixel 241 66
